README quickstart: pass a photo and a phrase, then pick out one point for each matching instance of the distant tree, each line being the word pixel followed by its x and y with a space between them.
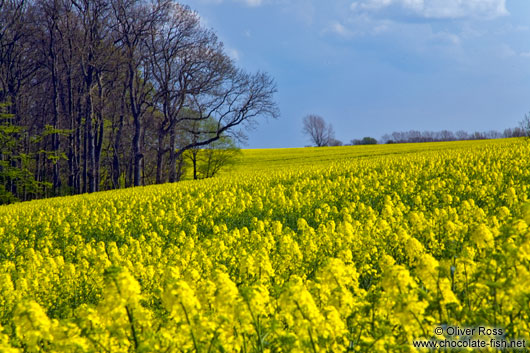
pixel 427 136
pixel 525 125
pixel 414 136
pixel 385 138
pixel 335 142
pixel 461 135
pixel 368 141
pixel 477 136
pixel 398 137
pixel 318 131
pixel 517 132
pixel 492 134
pixel 446 135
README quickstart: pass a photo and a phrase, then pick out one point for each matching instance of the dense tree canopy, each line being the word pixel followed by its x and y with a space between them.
pixel 102 94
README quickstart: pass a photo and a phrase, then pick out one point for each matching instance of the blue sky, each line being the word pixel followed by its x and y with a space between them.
pixel 372 67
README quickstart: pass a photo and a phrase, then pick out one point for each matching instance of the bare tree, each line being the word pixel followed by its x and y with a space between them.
pixel 320 133
pixel 236 100
pixel 185 60
pixel 134 21
pixel 462 135
pixel 335 142
pixel 446 135
pixel 95 48
pixel 525 125
pixel 492 134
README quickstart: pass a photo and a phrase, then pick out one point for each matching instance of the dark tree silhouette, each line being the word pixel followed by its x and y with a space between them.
pixel 320 133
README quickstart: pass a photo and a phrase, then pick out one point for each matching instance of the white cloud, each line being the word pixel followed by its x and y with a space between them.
pixel 340 29
pixel 441 9
pixel 252 3
pixel 370 5
pixel 358 26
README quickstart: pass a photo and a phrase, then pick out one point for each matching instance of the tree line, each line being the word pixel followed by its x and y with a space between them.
pixel 322 134
pixel 104 94
pixel 413 136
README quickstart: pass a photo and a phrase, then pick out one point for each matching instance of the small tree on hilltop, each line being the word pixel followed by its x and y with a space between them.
pixel 320 133
pixel 368 141
pixel 525 125
pixel 335 143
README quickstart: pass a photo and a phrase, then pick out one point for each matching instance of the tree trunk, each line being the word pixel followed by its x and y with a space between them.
pixel 160 153
pixel 80 176
pixel 97 155
pixel 55 136
pixel 90 144
pixel 172 155
pixel 159 160
pixel 116 154
pixel 135 110
pixel 99 129
pixel 137 162
pixel 85 159
pixel 194 153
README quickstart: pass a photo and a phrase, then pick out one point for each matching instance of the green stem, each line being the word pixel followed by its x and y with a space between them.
pixel 311 339
pixel 133 330
pixel 191 328
pixel 257 326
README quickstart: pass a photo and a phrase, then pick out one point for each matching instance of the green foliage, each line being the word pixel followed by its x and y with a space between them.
pixel 8 142
pixel 368 141
pixel 50 130
pixel 6 197
pixel 15 174
pixel 219 155
pixel 209 160
pixel 53 155
pixel 365 141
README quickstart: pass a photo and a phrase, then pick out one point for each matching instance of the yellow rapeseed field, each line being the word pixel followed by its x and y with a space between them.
pixel 305 250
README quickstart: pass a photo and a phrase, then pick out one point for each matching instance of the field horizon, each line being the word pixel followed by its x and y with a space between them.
pixel 257 159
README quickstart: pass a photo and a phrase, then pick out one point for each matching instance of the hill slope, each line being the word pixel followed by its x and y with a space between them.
pixel 297 250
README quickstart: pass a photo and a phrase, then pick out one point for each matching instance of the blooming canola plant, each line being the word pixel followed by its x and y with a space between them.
pixel 367 251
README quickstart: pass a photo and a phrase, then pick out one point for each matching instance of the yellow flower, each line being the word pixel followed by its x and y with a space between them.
pixel 483 237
